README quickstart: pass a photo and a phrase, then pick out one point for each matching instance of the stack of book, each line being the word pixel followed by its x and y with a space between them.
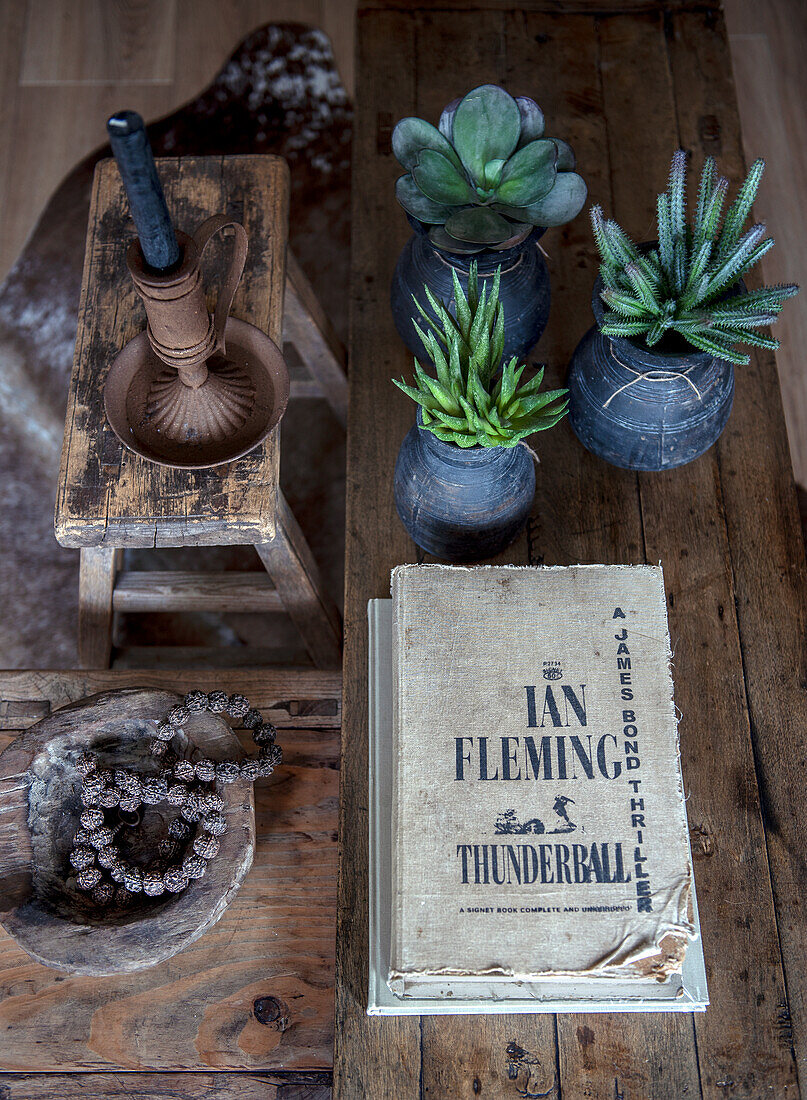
pixel 529 848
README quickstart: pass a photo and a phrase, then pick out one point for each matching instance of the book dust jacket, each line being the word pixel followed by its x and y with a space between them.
pixel 538 818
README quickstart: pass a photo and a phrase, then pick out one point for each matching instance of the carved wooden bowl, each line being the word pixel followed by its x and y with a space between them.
pixel 40 804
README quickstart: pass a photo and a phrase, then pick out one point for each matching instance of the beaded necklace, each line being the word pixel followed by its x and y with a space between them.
pixel 101 869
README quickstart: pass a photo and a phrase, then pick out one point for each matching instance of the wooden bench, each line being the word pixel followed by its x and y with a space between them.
pixel 109 498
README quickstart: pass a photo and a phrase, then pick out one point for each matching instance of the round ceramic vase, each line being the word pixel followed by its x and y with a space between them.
pixel 523 291
pixel 644 409
pixel 462 504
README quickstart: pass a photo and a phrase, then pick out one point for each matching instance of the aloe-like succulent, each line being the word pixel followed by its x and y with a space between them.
pixel 687 284
pixel 463 404
pixel 486 173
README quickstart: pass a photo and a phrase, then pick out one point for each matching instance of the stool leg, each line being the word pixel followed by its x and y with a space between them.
pixel 95 586
pixel 290 564
pixel 306 325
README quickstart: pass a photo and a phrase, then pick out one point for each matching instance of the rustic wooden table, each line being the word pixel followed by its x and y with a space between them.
pixel 246 1012
pixel 626 86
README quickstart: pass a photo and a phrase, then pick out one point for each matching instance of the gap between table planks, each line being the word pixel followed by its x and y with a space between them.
pixel 197 1010
pixel 625 89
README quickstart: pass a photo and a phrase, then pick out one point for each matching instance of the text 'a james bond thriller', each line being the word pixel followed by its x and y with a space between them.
pixel 538 817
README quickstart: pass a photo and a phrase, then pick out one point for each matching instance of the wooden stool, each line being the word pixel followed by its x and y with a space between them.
pixel 109 498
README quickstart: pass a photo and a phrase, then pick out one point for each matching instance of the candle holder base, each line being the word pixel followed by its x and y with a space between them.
pixel 158 416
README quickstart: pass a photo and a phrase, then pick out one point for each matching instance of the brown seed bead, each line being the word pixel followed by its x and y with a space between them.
pixel 82 837
pixel 89 798
pixel 178 716
pixel 196 700
pixel 124 779
pixel 238 705
pixel 100 838
pixel 205 770
pixel 85 763
pixel 206 846
pixel 165 731
pixel 214 823
pixel 184 770
pixel 274 754
pixel 109 798
pixel 190 808
pixel 133 879
pixel 106 777
pixel 168 847
pixel 252 719
pixel 130 803
pixel 211 801
pixel 155 790
pixel 92 784
pixel 227 771
pixel 153 884
pixel 89 877
pixel 264 734
pixel 158 749
pixel 194 866
pixel 103 893
pixel 92 819
pixel 249 769
pixel 81 858
pixel 179 829
pixel 108 856
pixel 265 767
pixel 117 872
pixel 175 880
pixel 177 793
pixel 217 701
pixel 122 896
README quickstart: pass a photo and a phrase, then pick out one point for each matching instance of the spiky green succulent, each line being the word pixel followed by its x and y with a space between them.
pixel 463 404
pixel 487 173
pixel 687 283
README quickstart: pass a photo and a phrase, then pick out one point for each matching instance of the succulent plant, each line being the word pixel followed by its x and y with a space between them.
pixel 487 173
pixel 463 404
pixel 688 282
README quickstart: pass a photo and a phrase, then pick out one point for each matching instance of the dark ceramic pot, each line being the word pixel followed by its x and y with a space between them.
pixel 459 504
pixel 523 291
pixel 645 409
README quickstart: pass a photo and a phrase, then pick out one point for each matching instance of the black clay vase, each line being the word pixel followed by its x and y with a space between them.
pixel 523 292
pixel 458 504
pixel 644 408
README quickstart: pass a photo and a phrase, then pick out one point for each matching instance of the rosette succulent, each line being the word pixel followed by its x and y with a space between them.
pixel 486 173
pixel 687 284
pixel 463 404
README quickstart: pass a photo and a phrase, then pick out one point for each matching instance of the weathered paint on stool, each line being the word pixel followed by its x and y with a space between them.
pixel 643 409
pixel 462 505
pixel 524 289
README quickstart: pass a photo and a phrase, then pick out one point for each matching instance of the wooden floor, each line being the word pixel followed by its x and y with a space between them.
pixel 65 65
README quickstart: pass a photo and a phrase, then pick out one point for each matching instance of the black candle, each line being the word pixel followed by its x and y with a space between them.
pixel 155 229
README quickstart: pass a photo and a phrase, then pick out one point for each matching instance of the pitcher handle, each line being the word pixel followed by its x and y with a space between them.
pixel 202 238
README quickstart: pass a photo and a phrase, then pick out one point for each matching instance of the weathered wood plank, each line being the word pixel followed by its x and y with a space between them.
pixel 372 1057
pixel 255 993
pixel 164 1086
pixel 466 1055
pixel 600 1054
pixel 108 495
pixel 548 7
pixel 172 590
pixel 302 698
pixel 767 556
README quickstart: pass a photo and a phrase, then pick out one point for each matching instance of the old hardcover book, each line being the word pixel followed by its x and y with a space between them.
pixel 538 835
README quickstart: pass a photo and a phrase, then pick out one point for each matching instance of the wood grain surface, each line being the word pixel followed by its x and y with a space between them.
pixel 108 496
pixel 256 992
pixel 625 88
